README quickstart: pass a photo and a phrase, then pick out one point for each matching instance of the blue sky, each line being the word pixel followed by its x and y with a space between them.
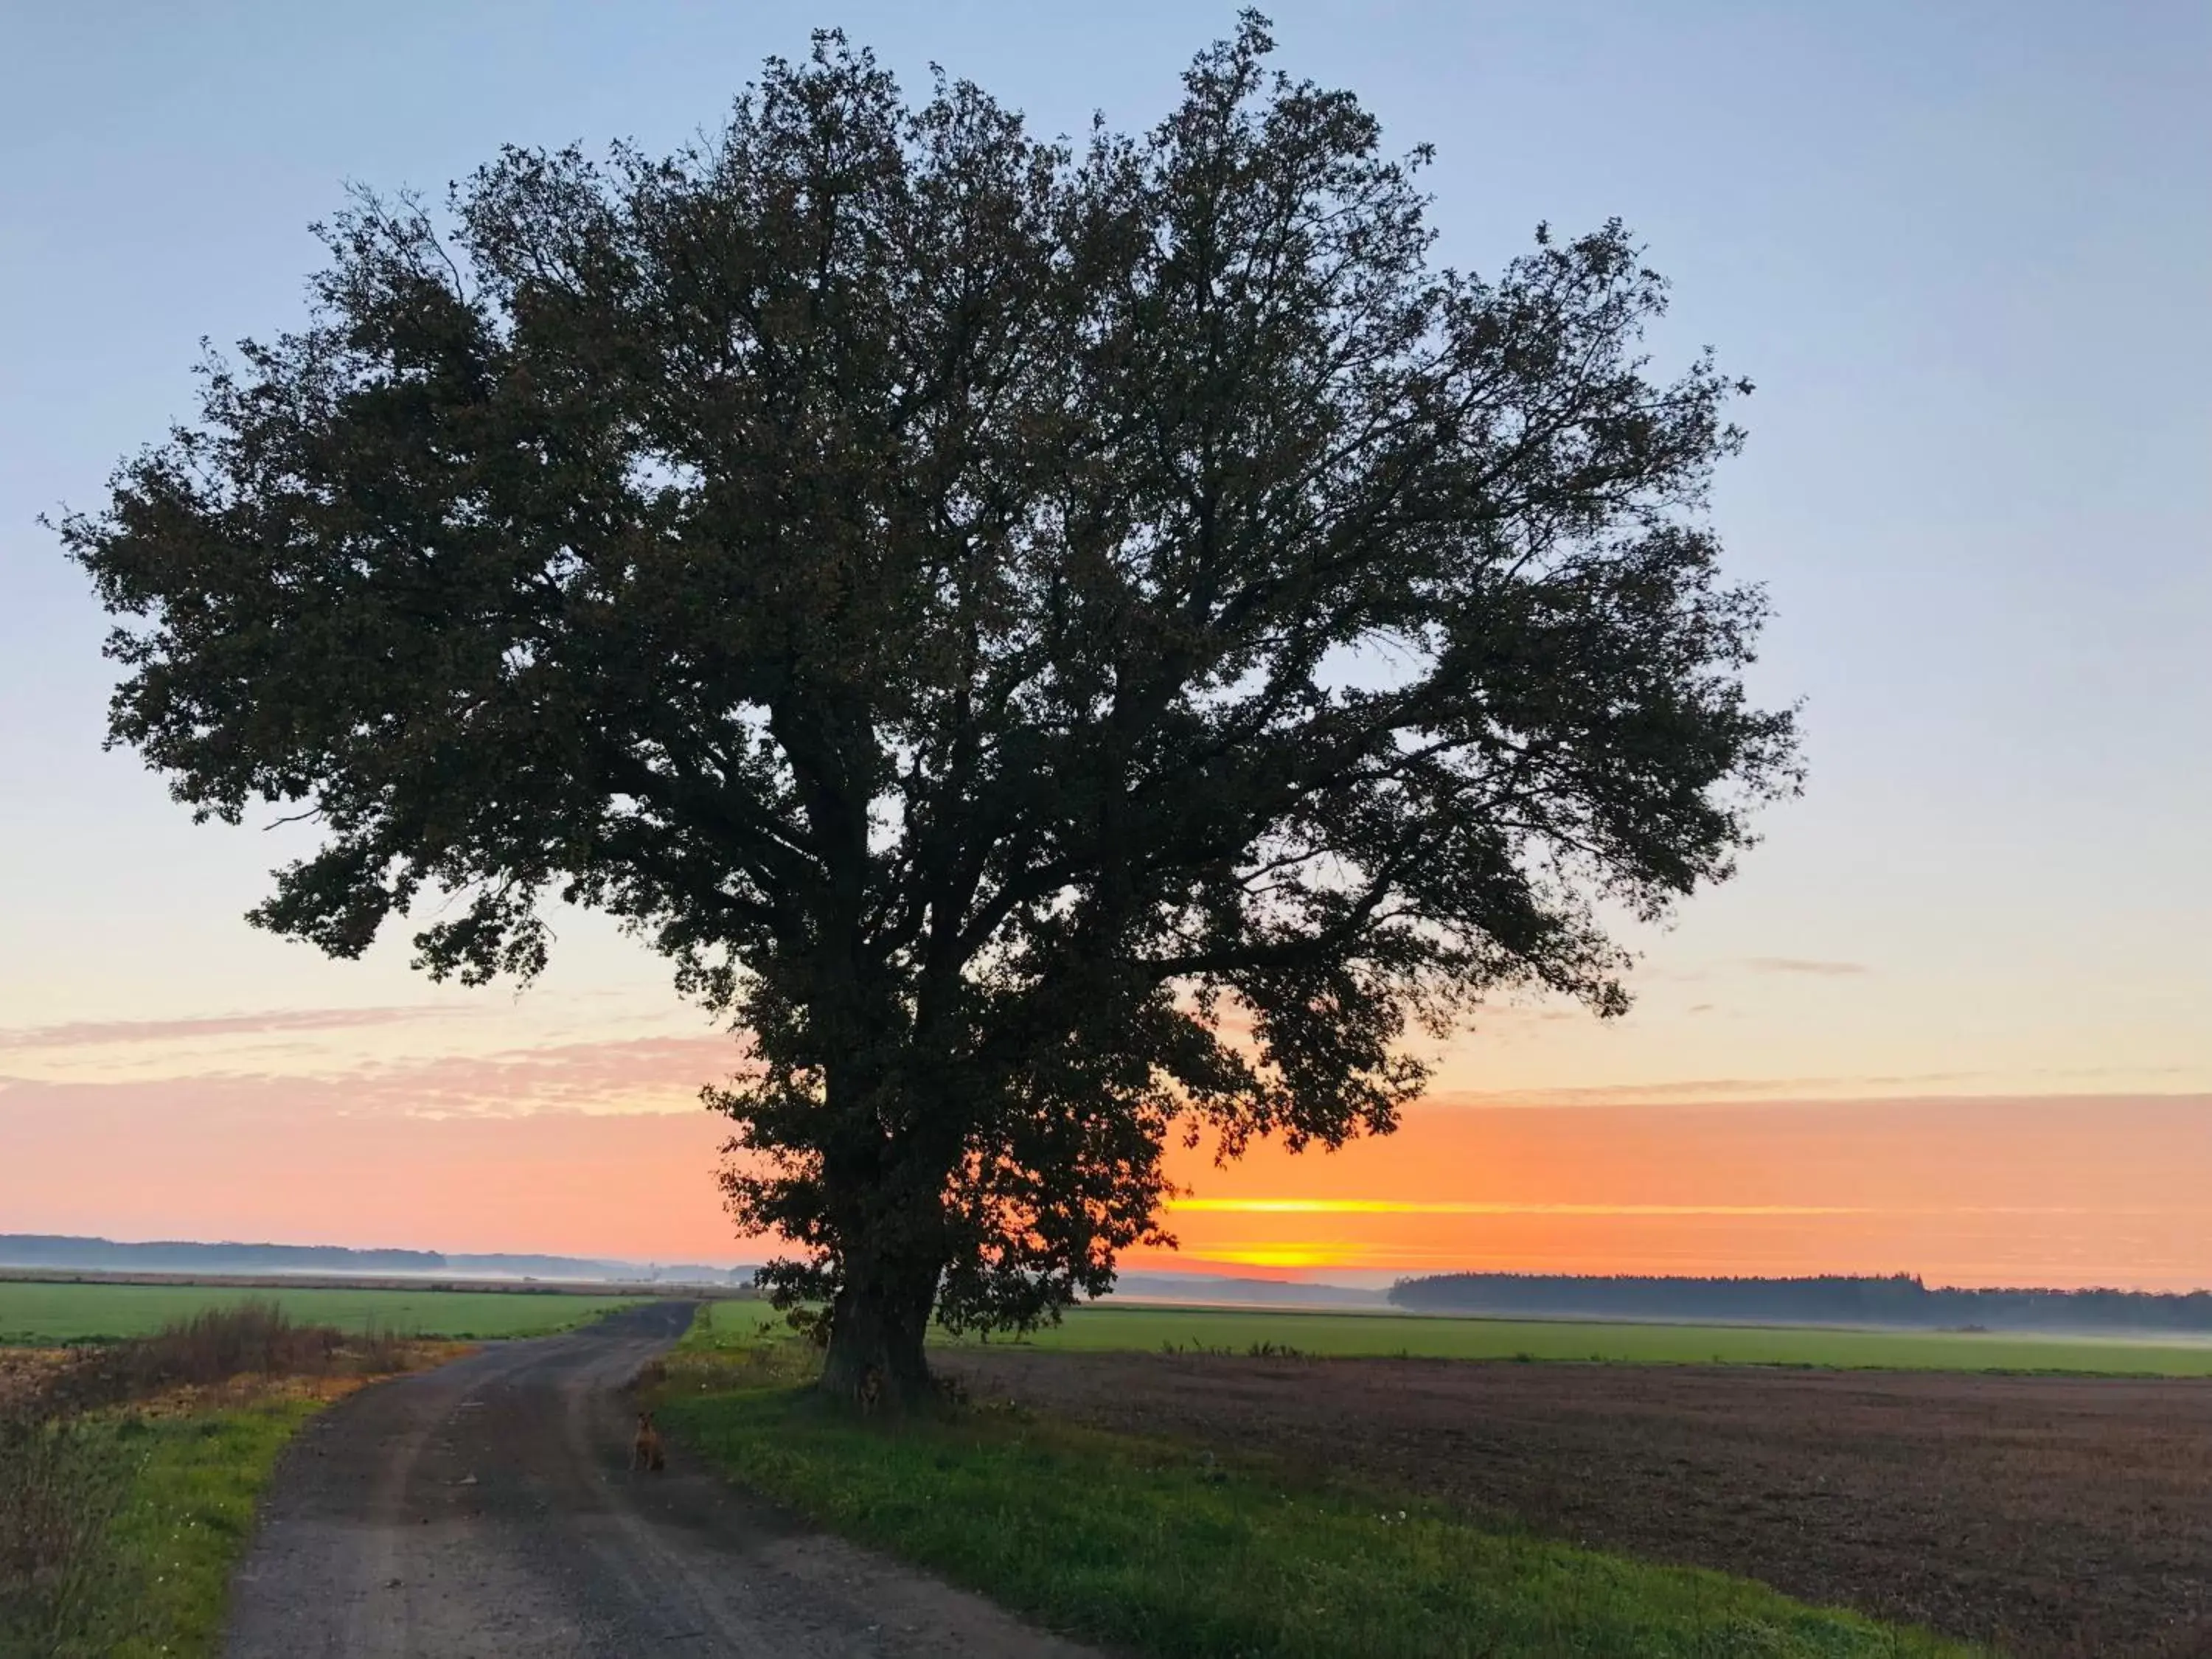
pixel 1964 249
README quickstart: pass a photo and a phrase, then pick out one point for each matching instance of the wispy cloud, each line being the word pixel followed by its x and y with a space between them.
pixel 1705 1089
pixel 580 1075
pixel 1805 965
pixel 619 1075
pixel 1399 1206
pixel 95 1034
pixel 1860 1088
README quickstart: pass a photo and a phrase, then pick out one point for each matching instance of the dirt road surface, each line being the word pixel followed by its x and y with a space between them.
pixel 486 1511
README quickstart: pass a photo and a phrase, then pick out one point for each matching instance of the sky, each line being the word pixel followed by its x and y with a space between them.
pixel 1950 1017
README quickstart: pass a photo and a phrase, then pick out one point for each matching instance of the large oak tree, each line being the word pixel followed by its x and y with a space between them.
pixel 1061 644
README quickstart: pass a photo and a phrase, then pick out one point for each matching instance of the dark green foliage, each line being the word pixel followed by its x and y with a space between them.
pixel 1058 643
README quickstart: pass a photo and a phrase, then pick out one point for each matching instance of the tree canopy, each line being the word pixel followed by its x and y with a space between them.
pixel 1061 644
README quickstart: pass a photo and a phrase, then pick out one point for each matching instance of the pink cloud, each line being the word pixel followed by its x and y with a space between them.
pixel 616 1074
pixel 88 1034
pixel 1805 965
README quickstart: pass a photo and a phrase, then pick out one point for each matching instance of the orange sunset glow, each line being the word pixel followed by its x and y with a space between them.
pixel 595 1150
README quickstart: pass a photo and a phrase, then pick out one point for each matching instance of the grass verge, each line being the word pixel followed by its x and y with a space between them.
pixel 1164 1550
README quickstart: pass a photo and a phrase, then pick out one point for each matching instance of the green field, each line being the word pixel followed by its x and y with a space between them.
pixel 1428 1336
pixel 44 1314
pixel 1162 1550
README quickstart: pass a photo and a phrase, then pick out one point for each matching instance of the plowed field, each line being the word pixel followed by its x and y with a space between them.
pixel 2052 1516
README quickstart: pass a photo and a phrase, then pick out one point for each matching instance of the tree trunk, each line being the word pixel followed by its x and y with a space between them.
pixel 876 1329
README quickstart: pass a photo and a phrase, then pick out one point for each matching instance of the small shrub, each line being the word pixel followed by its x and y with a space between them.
pixel 378 1350
pixel 251 1338
pixel 212 1346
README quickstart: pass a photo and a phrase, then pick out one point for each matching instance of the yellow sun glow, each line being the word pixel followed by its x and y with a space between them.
pixel 1280 1256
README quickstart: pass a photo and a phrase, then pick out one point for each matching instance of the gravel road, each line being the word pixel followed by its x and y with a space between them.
pixel 486 1511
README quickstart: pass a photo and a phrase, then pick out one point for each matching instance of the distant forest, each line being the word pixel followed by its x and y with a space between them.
pixel 1901 1301
pixel 175 1255
pixel 57 1253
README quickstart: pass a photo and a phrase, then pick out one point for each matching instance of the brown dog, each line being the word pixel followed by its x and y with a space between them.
pixel 646 1452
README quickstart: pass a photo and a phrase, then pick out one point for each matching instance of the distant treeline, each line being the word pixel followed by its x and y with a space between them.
pixel 62 1253
pixel 1902 1300
pixel 171 1255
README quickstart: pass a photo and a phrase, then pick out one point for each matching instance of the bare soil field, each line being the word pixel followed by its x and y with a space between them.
pixel 26 1372
pixel 2048 1515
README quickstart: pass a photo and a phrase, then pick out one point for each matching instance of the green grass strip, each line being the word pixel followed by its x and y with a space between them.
pixel 186 1518
pixel 1153 1548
